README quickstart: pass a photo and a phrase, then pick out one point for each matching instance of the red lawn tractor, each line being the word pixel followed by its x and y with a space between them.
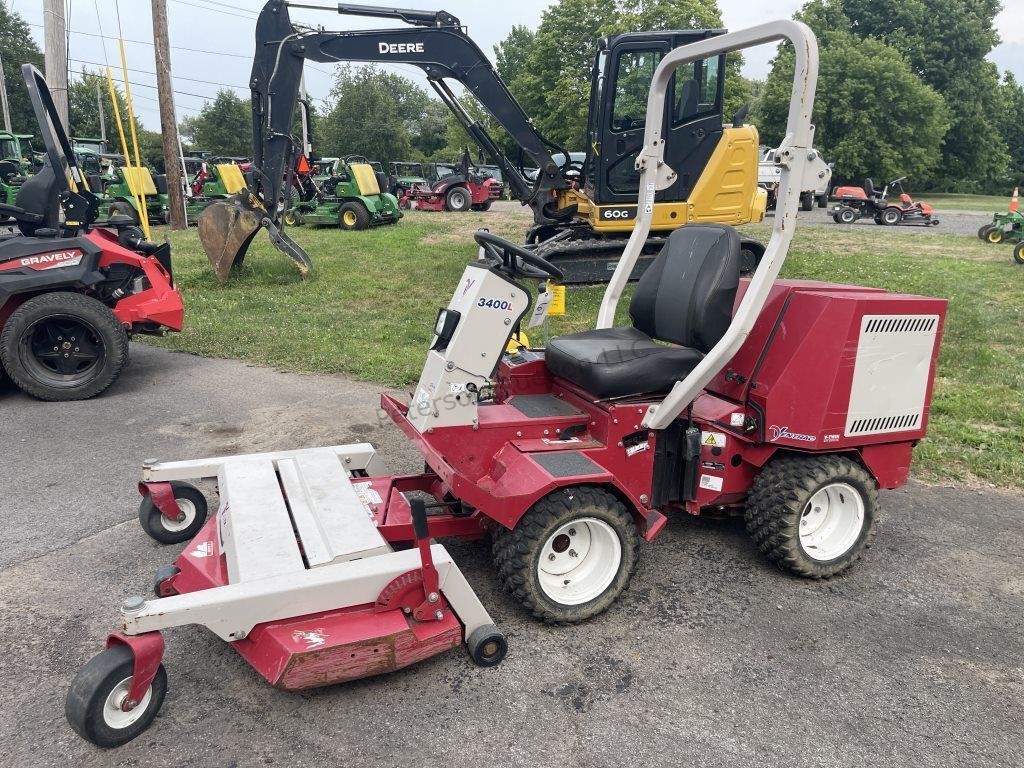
pixel 71 295
pixel 456 189
pixel 893 205
pixel 786 401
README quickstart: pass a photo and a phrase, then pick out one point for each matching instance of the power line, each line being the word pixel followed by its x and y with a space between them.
pixel 177 77
pixel 213 10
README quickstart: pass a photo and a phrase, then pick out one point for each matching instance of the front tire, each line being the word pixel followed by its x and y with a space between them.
pixel 891 216
pixel 570 556
pixel 63 346
pixel 192 504
pixel 994 236
pixel 806 201
pixel 93 704
pixel 1018 252
pixel 812 515
pixel 458 200
pixel 847 216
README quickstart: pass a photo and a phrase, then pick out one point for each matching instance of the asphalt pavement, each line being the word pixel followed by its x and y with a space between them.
pixel 710 658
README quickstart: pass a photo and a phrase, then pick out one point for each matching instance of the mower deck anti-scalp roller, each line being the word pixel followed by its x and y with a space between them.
pixel 789 402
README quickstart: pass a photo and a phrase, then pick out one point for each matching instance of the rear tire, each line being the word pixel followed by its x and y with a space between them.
pixel 92 703
pixel 812 515
pixel 822 201
pixel 458 200
pixel 570 556
pixel 983 231
pixel 353 216
pixel 806 201
pixel 193 506
pixel 1018 252
pixel 63 346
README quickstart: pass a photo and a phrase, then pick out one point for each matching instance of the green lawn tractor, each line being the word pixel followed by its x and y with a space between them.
pixel 121 195
pixel 214 181
pixel 1006 227
pixel 405 177
pixel 350 197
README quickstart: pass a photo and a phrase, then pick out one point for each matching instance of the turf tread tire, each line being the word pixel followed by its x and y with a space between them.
pixel 777 499
pixel 516 551
pixel 115 342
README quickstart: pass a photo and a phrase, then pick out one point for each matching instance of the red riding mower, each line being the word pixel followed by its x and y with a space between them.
pixel 893 205
pixel 71 295
pixel 790 402
pixel 460 190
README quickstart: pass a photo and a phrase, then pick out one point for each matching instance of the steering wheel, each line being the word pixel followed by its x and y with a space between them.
pixel 508 254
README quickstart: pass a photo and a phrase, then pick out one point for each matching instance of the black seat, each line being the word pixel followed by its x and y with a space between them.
pixel 39 195
pixel 685 298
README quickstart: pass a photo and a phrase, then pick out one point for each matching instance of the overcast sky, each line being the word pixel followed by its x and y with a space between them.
pixel 226 28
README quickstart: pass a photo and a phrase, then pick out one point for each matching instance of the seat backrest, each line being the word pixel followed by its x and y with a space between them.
pixel 869 187
pixel 686 296
pixel 39 195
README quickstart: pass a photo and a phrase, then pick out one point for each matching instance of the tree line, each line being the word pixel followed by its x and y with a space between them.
pixel 904 89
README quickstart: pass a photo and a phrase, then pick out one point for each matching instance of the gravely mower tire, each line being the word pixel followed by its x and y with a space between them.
pixel 91 347
pixel 570 556
pixel 193 506
pixel 1018 252
pixel 458 199
pixel 812 515
pixel 353 216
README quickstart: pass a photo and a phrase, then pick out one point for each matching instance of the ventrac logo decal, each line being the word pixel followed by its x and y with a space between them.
pixel 45 261
pixel 783 433
pixel 619 214
pixel 400 47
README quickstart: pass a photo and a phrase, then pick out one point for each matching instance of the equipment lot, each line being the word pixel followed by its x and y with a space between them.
pixel 711 657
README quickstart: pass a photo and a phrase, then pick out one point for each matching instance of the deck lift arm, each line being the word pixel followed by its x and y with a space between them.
pixel 434 42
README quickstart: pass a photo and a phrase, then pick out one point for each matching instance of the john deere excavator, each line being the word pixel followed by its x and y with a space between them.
pixel 582 212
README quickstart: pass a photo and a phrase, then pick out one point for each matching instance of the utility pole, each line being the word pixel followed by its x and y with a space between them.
pixel 55 39
pixel 168 120
pixel 3 99
pixel 103 119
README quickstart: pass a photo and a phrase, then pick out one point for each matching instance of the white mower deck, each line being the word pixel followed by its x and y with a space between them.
pixel 297 540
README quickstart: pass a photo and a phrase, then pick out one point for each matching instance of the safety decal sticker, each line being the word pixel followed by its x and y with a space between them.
pixel 737 419
pixel 711 482
pixel 713 439
pixel 633 450
pixel 204 549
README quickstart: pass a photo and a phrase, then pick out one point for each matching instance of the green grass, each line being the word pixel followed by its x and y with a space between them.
pixel 367 312
pixel 956 202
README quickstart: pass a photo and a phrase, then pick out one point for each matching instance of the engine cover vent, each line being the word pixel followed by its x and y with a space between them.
pixel 891 373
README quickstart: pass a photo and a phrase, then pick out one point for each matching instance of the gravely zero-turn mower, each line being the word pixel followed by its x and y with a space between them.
pixel 71 294
pixel 790 401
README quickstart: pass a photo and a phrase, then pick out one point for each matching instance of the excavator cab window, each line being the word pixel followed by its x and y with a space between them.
pixel 621 81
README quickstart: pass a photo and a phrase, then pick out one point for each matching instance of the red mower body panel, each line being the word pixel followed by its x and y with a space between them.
pixel 826 369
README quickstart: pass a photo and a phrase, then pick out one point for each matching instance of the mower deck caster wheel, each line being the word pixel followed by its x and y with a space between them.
pixel 487 646
pixel 192 504
pixel 95 703
pixel 163 575
pixel 570 556
pixel 812 515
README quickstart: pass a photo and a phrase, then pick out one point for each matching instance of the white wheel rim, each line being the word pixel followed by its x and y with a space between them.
pixel 116 717
pixel 831 522
pixel 579 561
pixel 189 515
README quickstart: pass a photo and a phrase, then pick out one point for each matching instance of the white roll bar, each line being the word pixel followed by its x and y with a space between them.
pixel 655 175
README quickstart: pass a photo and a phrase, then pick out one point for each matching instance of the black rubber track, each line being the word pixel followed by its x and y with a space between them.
pixel 778 497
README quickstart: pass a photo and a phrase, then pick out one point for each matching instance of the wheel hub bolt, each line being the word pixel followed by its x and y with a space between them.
pixel 551 556
pixel 572 553
pixel 572 531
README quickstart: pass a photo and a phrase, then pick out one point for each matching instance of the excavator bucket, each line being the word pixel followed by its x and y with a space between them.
pixel 226 228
